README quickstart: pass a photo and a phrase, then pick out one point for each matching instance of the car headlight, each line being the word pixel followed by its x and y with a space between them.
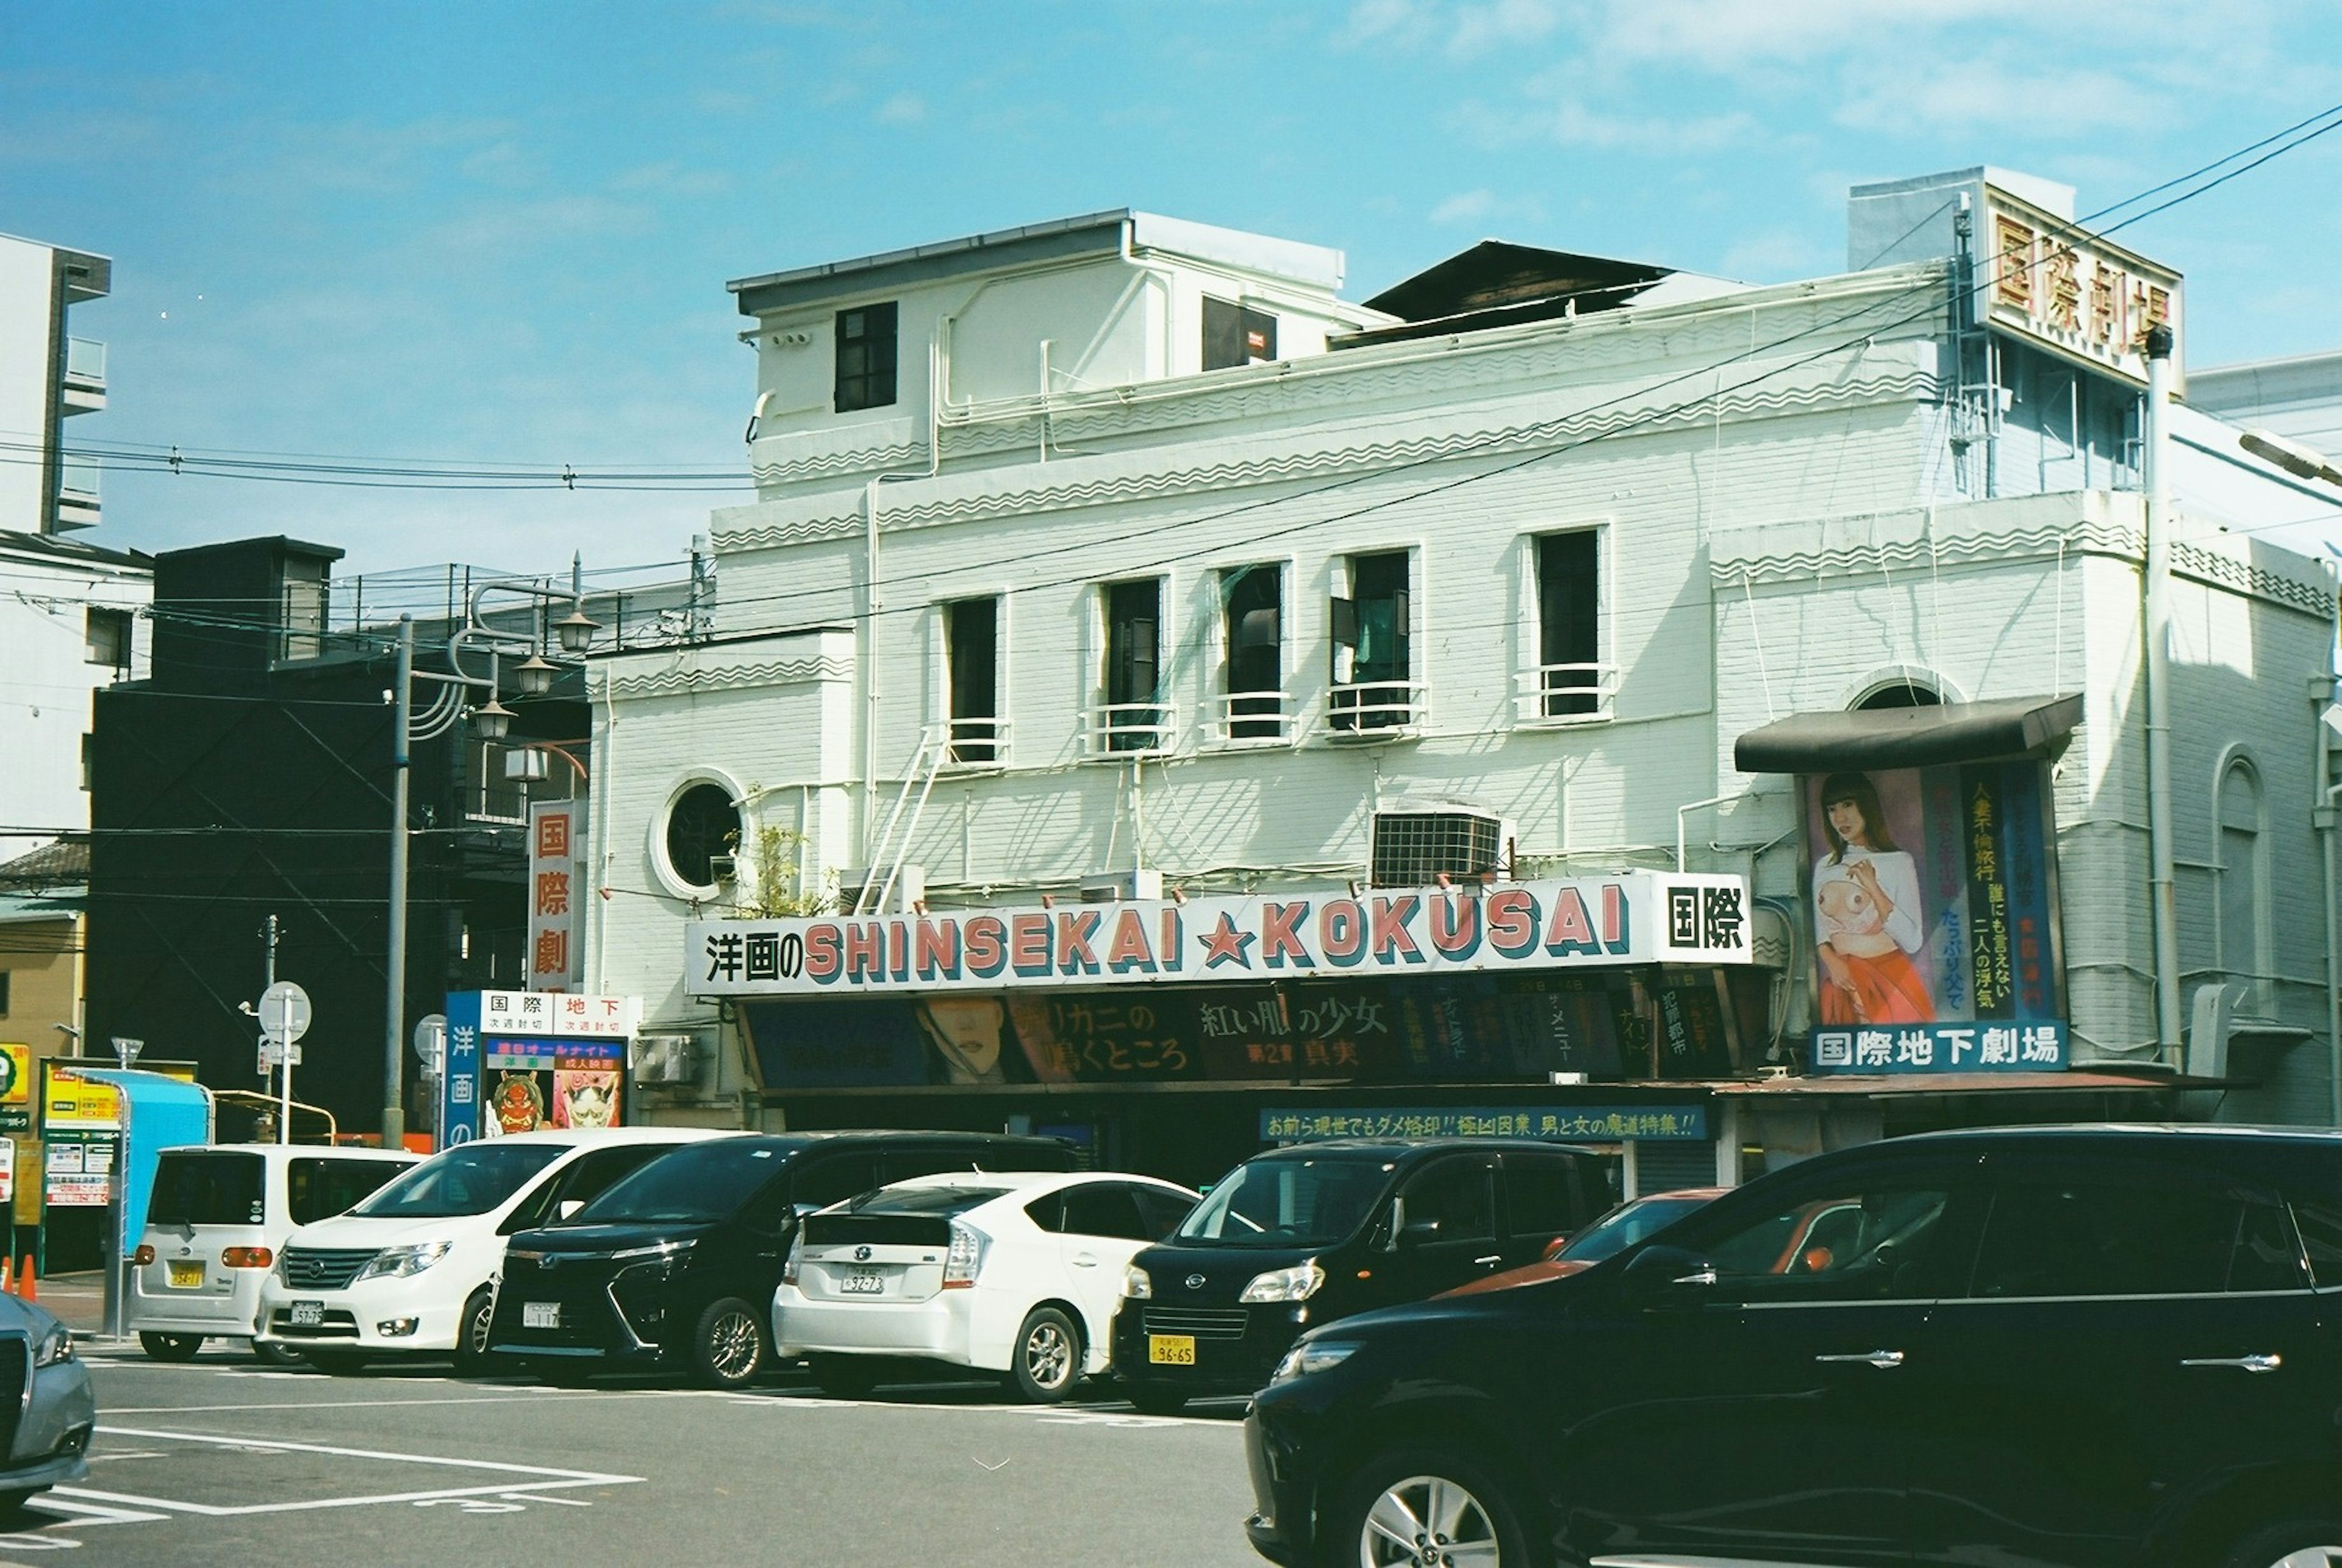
pixel 399 1262
pixel 1136 1286
pixel 53 1346
pixel 1297 1284
pixel 656 1249
pixel 1312 1356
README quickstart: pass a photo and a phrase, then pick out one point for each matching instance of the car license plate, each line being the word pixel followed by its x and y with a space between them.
pixel 862 1282
pixel 540 1314
pixel 307 1314
pixel 1171 1349
pixel 186 1274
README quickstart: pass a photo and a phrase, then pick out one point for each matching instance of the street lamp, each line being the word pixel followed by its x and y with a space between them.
pixel 2295 459
pixel 576 628
pixel 493 720
pixel 534 675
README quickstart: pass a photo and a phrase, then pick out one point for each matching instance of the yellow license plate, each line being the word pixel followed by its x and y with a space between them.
pixel 186 1276
pixel 1171 1349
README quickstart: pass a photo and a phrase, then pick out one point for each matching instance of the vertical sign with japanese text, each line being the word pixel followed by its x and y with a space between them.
pixel 556 884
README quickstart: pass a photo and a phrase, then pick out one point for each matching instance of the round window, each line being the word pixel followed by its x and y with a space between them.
pixel 702 822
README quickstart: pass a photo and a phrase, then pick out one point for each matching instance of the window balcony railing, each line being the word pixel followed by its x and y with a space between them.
pixel 976 743
pixel 1113 730
pixel 1253 718
pixel 1555 694
pixel 1364 711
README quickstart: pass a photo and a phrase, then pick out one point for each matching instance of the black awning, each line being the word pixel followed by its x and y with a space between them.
pixel 1907 738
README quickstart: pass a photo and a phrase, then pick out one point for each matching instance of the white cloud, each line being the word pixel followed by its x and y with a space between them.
pixel 903 109
pixel 1500 24
pixel 1463 207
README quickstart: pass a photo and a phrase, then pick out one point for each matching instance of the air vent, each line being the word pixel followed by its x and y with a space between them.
pixel 1413 848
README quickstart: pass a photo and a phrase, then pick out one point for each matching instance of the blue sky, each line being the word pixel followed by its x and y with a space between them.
pixel 500 231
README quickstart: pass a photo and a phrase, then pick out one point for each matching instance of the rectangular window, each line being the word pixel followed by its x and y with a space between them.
pixel 4 993
pixel 1372 660
pixel 1235 334
pixel 1133 653
pixel 107 638
pixel 319 1189
pixel 972 644
pixel 2122 1232
pixel 1569 624
pixel 1253 601
pixel 304 594
pixel 866 358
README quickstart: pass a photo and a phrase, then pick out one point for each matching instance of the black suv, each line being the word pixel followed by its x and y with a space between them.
pixel 674 1267
pixel 2085 1348
pixel 1306 1235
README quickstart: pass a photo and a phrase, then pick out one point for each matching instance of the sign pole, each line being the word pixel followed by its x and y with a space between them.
pixel 393 1030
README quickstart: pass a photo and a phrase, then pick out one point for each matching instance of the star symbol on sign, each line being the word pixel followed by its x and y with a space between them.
pixel 1224 944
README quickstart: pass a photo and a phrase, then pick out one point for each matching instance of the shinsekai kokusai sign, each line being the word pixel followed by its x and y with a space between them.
pixel 1633 917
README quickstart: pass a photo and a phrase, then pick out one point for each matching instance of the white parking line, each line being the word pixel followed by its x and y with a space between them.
pixel 542 1478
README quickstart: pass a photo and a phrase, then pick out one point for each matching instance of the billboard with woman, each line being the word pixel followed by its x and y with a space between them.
pixel 1932 904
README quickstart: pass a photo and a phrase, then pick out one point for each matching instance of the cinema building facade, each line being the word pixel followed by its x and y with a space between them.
pixel 1155 700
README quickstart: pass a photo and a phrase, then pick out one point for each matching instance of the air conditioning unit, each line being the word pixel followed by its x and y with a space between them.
pixel 665 1059
pixel 1416 843
pixel 724 868
pixel 910 889
pixel 1123 885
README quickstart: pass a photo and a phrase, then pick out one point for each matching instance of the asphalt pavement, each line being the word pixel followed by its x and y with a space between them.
pixel 224 1462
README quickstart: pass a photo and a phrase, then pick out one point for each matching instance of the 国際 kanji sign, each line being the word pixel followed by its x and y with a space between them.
pixel 2068 290
pixel 557 895
pixel 1632 917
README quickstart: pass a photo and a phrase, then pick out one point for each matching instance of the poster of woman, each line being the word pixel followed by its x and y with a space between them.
pixel 1869 927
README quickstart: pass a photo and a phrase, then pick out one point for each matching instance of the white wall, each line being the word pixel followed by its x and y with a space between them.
pixel 26 370
pixel 45 682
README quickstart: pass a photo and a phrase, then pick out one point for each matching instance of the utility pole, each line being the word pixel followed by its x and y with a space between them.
pixel 394 1100
pixel 2162 882
pixel 284 1052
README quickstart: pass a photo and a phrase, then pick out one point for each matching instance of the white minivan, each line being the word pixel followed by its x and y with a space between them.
pixel 412 1271
pixel 216 1219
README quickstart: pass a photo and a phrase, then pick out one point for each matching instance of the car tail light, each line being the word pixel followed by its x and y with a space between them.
pixel 965 1258
pixel 796 1261
pixel 245 1257
pixel 143 1256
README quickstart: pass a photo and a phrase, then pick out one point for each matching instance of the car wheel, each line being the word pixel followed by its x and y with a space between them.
pixel 170 1346
pixel 274 1353
pixel 335 1362
pixel 2298 1544
pixel 1417 1505
pixel 472 1338
pixel 845 1376
pixel 1047 1360
pixel 728 1348
pixel 1153 1399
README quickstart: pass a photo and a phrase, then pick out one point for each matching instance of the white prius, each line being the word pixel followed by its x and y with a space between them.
pixel 412 1270
pixel 1008 1273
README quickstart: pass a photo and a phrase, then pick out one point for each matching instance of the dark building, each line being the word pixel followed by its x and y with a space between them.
pixel 251 776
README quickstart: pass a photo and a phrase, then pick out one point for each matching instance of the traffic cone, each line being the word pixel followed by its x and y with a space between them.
pixel 27 1282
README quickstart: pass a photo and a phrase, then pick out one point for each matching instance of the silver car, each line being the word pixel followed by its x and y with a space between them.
pixel 46 1409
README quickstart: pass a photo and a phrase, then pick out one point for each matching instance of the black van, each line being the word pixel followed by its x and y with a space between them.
pixel 674 1267
pixel 1318 1231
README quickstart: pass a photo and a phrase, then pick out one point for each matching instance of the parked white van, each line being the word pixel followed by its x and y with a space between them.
pixel 216 1222
pixel 412 1270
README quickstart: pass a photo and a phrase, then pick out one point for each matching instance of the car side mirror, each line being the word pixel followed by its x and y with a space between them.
pixel 1553 1248
pixel 1669 1276
pixel 568 1207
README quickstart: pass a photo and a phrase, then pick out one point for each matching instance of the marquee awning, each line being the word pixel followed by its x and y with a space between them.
pixel 1907 738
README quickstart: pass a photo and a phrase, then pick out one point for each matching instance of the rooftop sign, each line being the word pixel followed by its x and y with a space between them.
pixel 2080 296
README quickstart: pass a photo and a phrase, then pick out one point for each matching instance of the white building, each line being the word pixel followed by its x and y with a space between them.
pixel 1120 558
pixel 68 609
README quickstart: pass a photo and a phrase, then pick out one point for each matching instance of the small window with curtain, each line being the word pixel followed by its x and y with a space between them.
pixel 1569 625
pixel 866 358
pixel 106 637
pixel 1134 652
pixel 1372 657
pixel 2244 881
pixel 972 647
pixel 1253 601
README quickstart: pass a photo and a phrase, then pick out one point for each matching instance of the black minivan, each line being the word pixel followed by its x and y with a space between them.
pixel 674 1267
pixel 1306 1235
pixel 2091 1347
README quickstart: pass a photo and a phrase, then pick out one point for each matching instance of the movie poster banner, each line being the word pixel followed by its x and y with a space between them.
pixel 1932 905
pixel 526 1062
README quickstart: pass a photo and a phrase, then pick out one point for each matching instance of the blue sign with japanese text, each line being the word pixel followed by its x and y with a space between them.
pixel 2033 1047
pixel 1604 1123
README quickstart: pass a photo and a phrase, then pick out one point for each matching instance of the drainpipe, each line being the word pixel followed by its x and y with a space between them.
pixel 2162 883
pixel 2321 693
